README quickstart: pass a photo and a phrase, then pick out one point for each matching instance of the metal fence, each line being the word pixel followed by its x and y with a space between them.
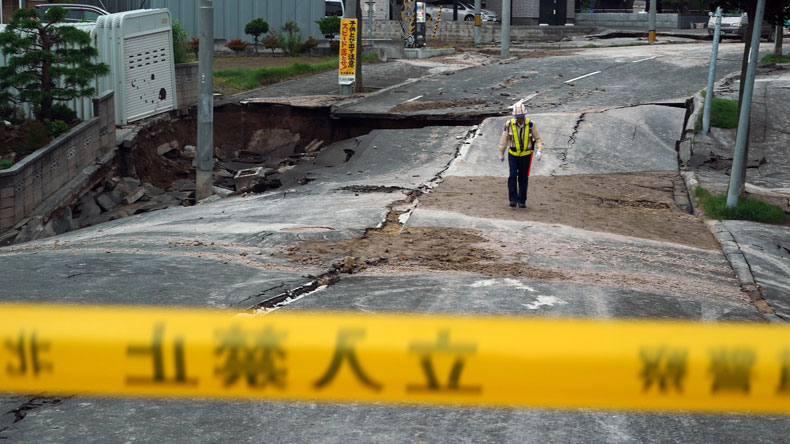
pixel 230 16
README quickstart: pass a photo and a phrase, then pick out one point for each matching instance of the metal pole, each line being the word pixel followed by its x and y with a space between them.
pixel 711 74
pixel 746 108
pixel 478 22
pixel 506 29
pixel 205 136
pixel 370 19
pixel 651 27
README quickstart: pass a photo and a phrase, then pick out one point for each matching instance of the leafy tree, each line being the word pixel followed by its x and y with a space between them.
pixel 329 26
pixel 255 28
pixel 45 62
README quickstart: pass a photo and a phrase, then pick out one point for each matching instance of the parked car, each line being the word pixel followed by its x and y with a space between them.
pixel 734 25
pixel 466 11
pixel 77 13
pixel 335 7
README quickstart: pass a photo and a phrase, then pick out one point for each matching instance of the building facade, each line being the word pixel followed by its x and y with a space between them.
pixel 230 16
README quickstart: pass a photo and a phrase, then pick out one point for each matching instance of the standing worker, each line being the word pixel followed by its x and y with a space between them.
pixel 520 137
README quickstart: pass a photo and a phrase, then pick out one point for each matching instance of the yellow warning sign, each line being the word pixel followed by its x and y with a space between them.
pixel 348 51
pixel 395 358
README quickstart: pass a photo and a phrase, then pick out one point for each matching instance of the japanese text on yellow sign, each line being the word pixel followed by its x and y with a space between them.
pixel 348 51
pixel 415 359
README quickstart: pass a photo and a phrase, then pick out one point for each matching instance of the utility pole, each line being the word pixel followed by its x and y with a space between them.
pixel 778 37
pixel 351 12
pixel 478 22
pixel 737 175
pixel 506 28
pixel 205 134
pixel 711 74
pixel 358 86
pixel 651 27
pixel 370 18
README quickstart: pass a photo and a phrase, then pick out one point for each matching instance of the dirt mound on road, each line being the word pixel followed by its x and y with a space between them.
pixel 442 249
pixel 636 204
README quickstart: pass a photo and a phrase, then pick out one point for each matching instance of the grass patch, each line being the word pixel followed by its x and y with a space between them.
pixel 770 58
pixel 590 45
pixel 231 81
pixel 723 113
pixel 748 209
pixel 620 45
pixel 5 164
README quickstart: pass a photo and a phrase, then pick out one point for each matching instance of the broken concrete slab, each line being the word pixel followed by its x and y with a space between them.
pixel 221 192
pixel 134 196
pixel 105 201
pixel 244 178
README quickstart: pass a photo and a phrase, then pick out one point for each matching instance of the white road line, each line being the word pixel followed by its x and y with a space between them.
pixel 581 77
pixel 642 60
pixel 412 99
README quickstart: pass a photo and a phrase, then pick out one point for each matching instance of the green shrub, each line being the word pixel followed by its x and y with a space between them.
pixel 179 43
pixel 5 164
pixel 35 135
pixel 62 112
pixel 56 128
pixel 290 40
pixel 329 26
pixel 747 209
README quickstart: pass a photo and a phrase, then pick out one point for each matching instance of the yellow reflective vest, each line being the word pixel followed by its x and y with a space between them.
pixel 517 149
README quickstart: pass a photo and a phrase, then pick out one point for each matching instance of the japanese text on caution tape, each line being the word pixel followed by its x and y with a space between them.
pixel 395 358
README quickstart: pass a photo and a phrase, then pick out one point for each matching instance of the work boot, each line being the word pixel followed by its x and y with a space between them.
pixel 513 204
pixel 522 205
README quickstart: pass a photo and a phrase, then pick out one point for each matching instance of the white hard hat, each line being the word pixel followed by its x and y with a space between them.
pixel 519 110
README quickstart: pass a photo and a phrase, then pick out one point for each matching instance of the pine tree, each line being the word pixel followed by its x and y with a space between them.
pixel 46 62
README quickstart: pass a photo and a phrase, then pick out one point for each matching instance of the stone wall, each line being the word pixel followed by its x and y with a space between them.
pixel 638 21
pixel 31 181
pixel 186 84
pixel 491 32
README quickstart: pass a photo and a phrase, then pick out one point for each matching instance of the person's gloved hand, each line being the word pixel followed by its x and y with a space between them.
pixel 539 155
pixel 501 157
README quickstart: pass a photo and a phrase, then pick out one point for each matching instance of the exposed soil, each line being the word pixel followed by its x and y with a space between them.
pixel 442 249
pixel 637 204
pixel 410 107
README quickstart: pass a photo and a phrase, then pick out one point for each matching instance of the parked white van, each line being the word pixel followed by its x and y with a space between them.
pixel 734 25
pixel 335 7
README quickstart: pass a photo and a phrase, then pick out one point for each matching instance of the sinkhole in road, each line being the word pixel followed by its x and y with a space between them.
pixel 270 135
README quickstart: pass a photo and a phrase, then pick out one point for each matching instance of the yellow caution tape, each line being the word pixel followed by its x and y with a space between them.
pixel 395 358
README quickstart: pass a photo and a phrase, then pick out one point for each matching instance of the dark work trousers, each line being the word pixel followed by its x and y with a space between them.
pixel 519 172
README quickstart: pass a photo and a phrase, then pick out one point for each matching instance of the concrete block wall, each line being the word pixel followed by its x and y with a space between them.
pixel 31 181
pixel 186 84
pixel 491 32
pixel 627 20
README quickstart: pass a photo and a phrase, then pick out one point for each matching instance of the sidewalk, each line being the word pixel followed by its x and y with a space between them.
pixel 765 247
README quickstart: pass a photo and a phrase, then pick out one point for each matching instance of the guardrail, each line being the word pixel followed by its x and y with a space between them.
pixel 492 361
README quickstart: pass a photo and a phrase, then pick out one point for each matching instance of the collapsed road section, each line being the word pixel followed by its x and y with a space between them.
pixel 256 142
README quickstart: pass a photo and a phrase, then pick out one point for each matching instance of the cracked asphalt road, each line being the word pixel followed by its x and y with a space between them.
pixel 231 254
